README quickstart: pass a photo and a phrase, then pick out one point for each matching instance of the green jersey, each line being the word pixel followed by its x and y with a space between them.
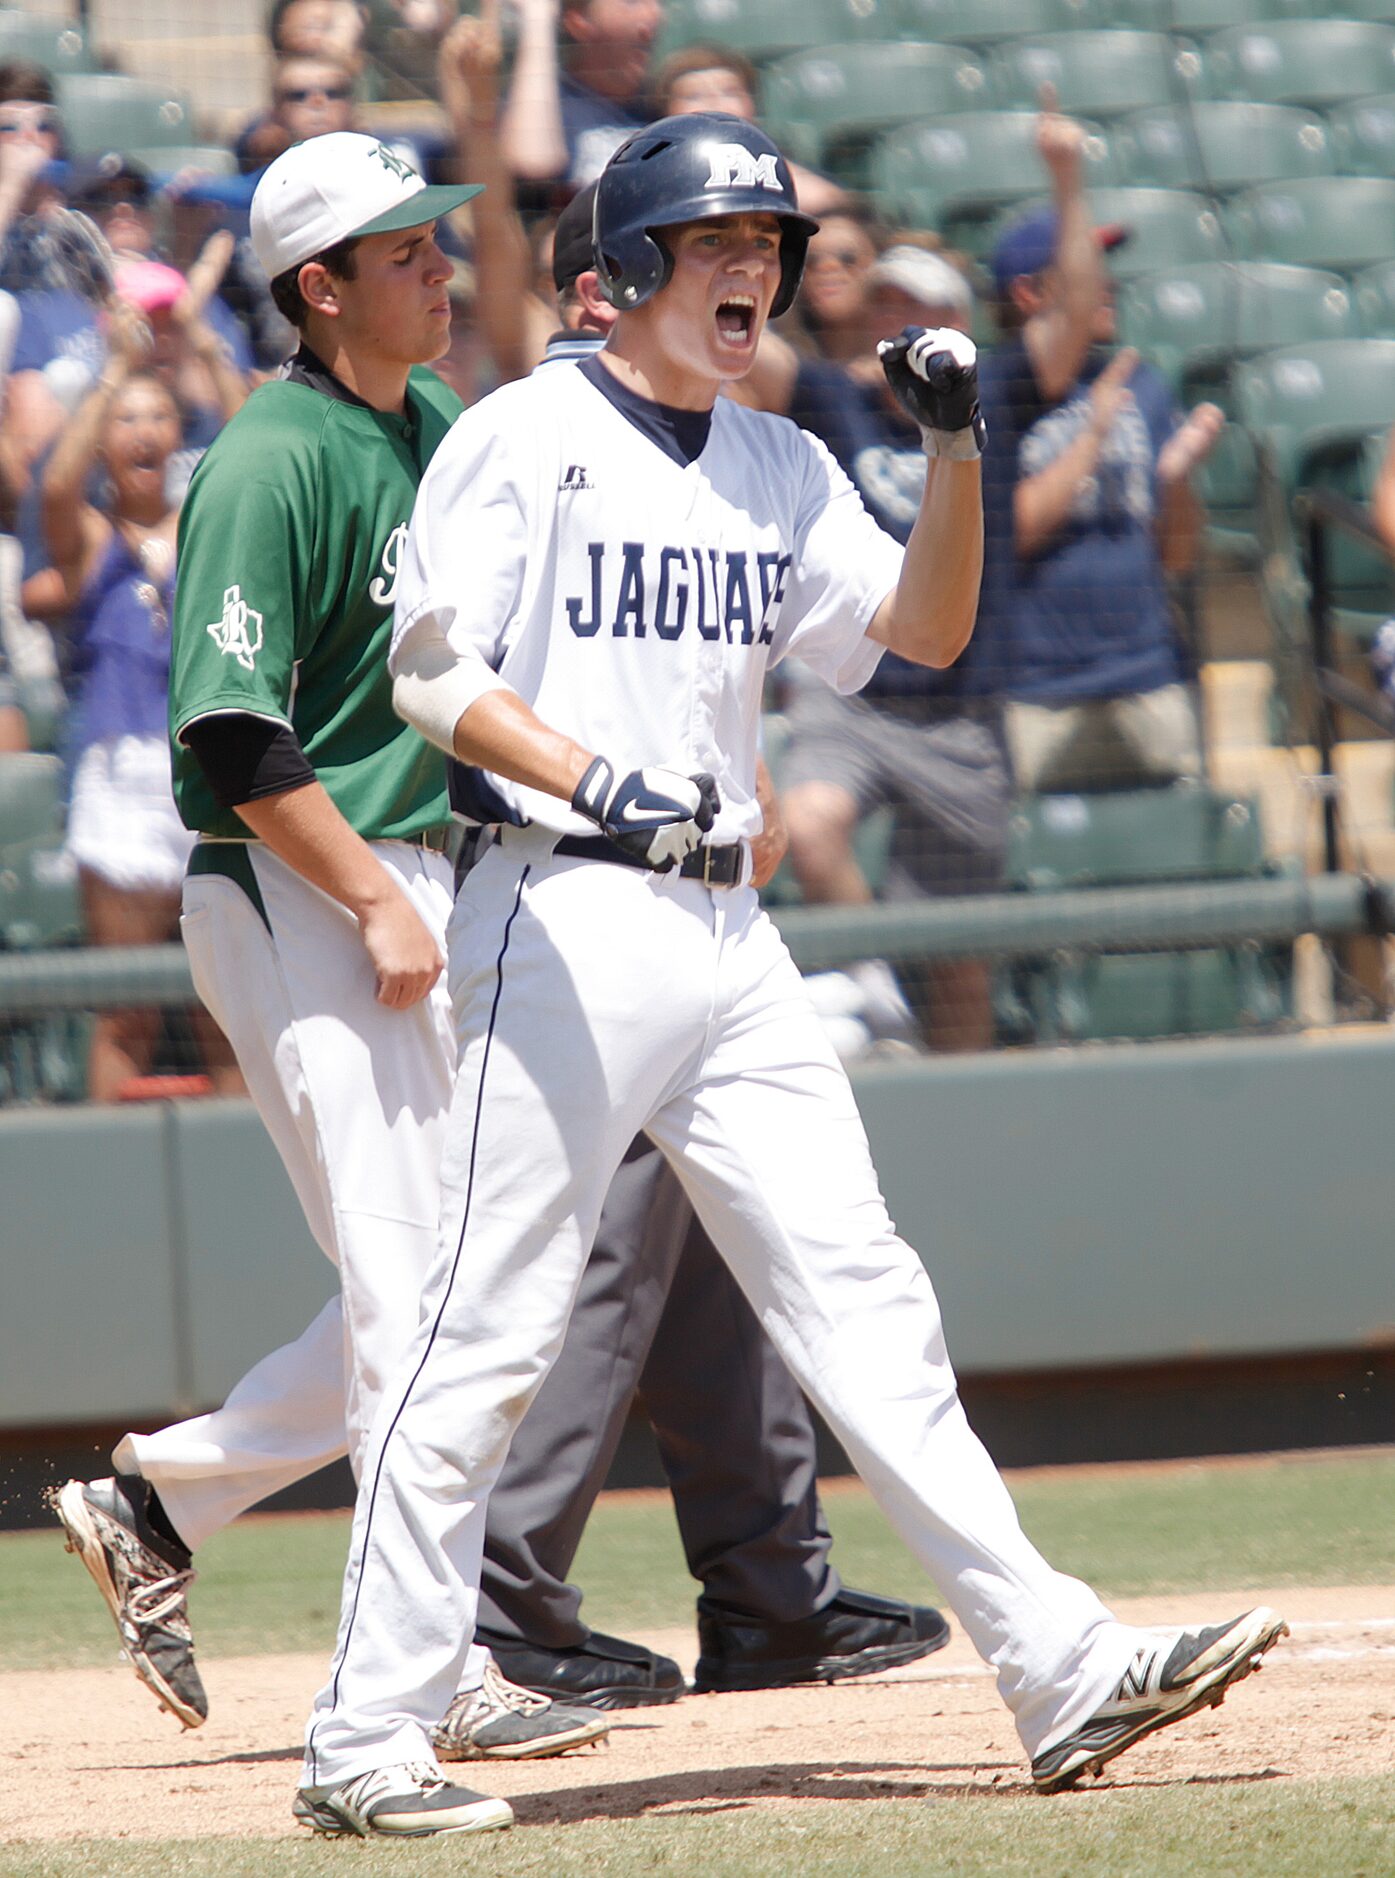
pixel 288 553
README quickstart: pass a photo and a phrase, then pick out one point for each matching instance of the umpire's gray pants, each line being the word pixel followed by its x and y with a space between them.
pixel 660 1315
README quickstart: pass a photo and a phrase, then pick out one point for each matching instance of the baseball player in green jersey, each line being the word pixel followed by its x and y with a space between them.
pixel 315 906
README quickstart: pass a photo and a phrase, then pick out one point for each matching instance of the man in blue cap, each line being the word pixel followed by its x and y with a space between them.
pixel 1088 507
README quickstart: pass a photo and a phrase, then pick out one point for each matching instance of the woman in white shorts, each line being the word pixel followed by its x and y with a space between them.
pixel 117 568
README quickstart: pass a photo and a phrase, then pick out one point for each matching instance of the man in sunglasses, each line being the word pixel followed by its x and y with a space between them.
pixel 310 96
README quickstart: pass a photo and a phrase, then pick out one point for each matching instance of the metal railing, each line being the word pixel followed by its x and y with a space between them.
pixel 1172 916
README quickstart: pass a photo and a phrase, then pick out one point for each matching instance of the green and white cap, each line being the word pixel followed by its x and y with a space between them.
pixel 333 187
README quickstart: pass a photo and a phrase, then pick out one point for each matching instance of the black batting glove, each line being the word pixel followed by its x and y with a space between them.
pixel 934 373
pixel 656 815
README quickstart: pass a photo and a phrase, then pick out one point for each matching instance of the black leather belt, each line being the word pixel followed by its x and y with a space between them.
pixel 435 840
pixel 714 867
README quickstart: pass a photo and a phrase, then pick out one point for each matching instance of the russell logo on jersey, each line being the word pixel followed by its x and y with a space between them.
pixel 635 589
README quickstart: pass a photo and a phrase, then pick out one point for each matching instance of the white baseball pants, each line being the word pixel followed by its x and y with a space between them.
pixel 355 1097
pixel 593 1001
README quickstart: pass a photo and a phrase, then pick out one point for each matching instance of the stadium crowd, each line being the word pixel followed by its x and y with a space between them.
pixel 134 323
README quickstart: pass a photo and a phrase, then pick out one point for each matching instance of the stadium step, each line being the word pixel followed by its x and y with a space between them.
pixel 1235 696
pixel 1291 808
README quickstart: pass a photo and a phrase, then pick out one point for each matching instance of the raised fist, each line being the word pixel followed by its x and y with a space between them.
pixel 934 373
pixel 655 815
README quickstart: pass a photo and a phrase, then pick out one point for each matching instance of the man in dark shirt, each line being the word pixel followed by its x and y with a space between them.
pixel 571 107
pixel 928 741
pixel 1087 503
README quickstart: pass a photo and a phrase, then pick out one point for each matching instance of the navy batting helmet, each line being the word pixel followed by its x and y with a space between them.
pixel 691 169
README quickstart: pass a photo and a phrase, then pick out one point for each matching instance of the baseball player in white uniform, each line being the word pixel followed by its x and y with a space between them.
pixel 602 566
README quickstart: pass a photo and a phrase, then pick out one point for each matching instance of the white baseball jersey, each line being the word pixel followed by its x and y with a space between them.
pixel 635 602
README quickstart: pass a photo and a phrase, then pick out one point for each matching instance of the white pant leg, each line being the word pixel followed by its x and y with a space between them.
pixel 281 1422
pixel 354 1095
pixel 544 983
pixel 771 1148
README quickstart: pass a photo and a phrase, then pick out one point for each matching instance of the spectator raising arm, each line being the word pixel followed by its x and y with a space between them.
pixel 1058 335
pixel 205 277
pixel 470 59
pixel 21 162
pixel 74 532
pixel 534 145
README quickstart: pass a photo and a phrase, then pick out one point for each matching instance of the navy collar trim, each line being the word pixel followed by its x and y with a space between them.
pixel 308 368
pixel 681 435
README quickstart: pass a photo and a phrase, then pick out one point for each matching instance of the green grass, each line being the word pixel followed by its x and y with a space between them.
pixel 273 1584
pixel 1298 1830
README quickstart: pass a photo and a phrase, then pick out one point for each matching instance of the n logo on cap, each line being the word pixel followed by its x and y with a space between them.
pixel 736 167
pixel 391 161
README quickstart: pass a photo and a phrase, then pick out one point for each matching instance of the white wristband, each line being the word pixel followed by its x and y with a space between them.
pixel 958 446
pixel 435 686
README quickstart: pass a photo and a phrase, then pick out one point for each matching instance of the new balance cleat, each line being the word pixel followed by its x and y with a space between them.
pixel 1172 1675
pixel 415 1801
pixel 145 1580
pixel 501 1722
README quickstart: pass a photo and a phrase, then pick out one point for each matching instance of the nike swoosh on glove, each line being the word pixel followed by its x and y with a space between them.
pixel 656 815
pixel 934 373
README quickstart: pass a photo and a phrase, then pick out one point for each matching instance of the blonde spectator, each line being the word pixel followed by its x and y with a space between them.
pixel 115 566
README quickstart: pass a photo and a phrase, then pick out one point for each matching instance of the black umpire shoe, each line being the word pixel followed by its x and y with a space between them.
pixel 855 1634
pixel 603 1672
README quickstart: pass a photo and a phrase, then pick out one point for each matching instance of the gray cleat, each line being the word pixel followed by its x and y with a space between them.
pixel 145 1580
pixel 1172 1675
pixel 501 1722
pixel 413 1801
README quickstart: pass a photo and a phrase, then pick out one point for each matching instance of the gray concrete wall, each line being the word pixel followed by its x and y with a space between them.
pixel 1075 1208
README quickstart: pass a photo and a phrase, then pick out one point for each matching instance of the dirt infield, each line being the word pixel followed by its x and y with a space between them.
pixel 88 1748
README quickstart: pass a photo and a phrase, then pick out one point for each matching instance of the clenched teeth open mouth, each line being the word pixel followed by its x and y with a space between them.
pixel 736 316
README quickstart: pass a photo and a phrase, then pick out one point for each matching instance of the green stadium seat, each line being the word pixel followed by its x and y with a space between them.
pixel 39 904
pixel 1318 63
pixel 1340 222
pixel 44 706
pixel 1193 19
pixel 955 174
pixel 1194 323
pixel 982 23
pixel 768 29
pixel 1182 834
pixel 1319 414
pixel 44 1058
pixel 824 107
pixel 1219 146
pixel 1096 74
pixel 31 797
pixel 1168 228
pixel 1133 837
pixel 1363 136
pixel 59 45
pixel 1373 291
pixel 215 159
pixel 1146 996
pixel 107 111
